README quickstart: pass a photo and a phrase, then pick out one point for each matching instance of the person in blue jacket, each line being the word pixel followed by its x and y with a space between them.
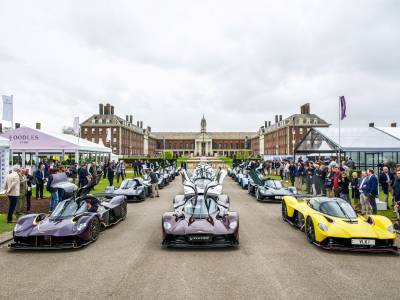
pixel 372 190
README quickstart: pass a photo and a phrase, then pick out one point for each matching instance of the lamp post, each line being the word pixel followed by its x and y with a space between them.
pixel 164 149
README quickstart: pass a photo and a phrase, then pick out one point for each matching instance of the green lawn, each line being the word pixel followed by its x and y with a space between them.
pixel 4 226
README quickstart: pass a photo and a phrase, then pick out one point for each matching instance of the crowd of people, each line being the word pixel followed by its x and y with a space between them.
pixel 334 179
pixel 20 182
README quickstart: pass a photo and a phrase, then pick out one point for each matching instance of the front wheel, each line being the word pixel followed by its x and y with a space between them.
pixel 310 231
pixel 284 211
pixel 123 211
pixel 94 230
pixel 258 195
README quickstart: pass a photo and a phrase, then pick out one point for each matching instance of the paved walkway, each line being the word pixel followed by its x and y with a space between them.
pixel 274 262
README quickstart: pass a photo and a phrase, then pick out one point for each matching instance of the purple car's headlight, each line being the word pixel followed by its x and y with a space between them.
pixel 232 225
pixel 167 225
pixel 17 227
pixel 81 226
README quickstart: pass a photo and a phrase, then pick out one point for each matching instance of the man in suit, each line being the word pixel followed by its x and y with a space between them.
pixel 40 177
pixel 298 176
pixel 83 176
pixel 372 189
pixel 386 179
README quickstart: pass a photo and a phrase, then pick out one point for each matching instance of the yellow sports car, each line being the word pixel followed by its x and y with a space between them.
pixel 332 223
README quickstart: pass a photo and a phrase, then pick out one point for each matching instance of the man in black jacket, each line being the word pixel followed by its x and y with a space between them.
pixel 40 178
pixel 386 180
pixel 154 183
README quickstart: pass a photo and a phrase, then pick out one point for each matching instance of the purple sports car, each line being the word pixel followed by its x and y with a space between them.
pixel 201 221
pixel 74 223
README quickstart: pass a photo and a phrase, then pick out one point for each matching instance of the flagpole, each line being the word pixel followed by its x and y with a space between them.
pixel 12 112
pixel 339 158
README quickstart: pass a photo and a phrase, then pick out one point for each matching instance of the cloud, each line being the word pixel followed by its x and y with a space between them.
pixel 167 62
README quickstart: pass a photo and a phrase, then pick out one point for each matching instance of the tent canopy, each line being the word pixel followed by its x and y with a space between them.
pixel 351 139
pixel 32 140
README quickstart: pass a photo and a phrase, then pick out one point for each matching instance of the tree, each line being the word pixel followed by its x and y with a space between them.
pixel 168 154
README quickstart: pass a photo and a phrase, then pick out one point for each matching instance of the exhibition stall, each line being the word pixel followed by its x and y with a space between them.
pixel 27 145
pixel 4 160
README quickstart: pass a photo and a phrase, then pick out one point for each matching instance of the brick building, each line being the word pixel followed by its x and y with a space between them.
pixel 129 139
pixel 204 143
pixel 121 135
pixel 283 136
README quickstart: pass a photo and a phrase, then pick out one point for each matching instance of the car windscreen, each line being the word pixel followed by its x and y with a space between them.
pixel 202 182
pixel 69 208
pixel 200 208
pixel 340 209
pixel 275 184
pixel 127 184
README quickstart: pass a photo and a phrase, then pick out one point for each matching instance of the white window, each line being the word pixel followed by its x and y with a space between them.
pixel 86 130
pixel 100 129
pixel 115 129
pixel 93 121
pixel 93 130
pixel 114 140
pixel 301 130
pixel 107 121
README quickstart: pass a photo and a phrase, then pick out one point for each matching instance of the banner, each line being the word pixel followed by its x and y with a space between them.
pixel 4 166
pixel 7 108
pixel 342 101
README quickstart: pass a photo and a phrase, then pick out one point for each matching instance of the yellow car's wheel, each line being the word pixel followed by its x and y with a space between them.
pixel 284 211
pixel 310 231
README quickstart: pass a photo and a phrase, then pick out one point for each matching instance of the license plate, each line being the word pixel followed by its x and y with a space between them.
pixel 363 242
pixel 199 238
pixel 278 197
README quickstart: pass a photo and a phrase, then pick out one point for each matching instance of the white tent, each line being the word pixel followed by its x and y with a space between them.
pixel 26 140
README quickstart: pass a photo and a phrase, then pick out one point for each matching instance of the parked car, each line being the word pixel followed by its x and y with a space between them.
pixel 332 223
pixel 72 224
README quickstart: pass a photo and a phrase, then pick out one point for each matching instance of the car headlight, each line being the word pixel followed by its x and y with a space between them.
pixel 390 229
pixel 323 227
pixel 232 225
pixel 167 225
pixel 81 226
pixel 17 227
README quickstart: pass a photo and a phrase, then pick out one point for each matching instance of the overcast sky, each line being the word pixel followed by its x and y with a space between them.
pixel 167 62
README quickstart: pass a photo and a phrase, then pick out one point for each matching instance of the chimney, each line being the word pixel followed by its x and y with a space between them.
pixel 127 118
pixel 1 128
pixel 276 119
pixel 266 124
pixel 112 110
pixel 137 124
pixel 131 119
pixel 38 126
pixel 17 125
pixel 393 124
pixel 107 109
pixel 280 118
pixel 371 124
pixel 269 123
pixel 305 109
pixel 141 124
pixel 148 128
pixel 101 109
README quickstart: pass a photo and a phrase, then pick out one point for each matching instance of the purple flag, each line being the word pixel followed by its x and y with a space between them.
pixel 342 101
